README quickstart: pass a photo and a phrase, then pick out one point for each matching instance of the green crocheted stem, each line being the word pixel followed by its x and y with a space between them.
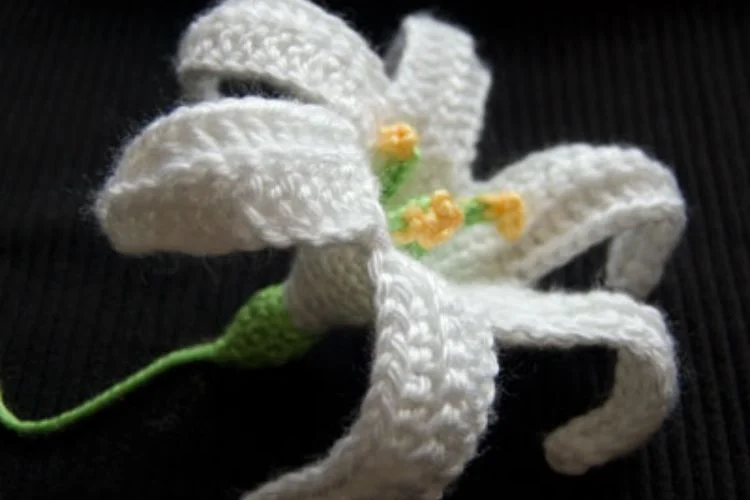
pixel 394 173
pixel 396 215
pixel 474 212
pixel 261 334
pixel 184 356
pixel 415 250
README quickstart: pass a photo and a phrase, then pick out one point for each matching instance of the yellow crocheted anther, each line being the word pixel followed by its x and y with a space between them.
pixel 417 224
pixel 433 226
pixel 447 210
pixel 508 211
pixel 398 140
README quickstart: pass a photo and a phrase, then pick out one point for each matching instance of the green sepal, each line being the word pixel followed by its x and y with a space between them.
pixel 262 333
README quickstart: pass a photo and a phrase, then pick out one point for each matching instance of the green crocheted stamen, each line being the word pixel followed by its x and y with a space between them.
pixel 393 173
pixel 475 211
pixel 260 335
pixel 396 215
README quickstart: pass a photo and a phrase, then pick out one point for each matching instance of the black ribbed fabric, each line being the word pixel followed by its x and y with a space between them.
pixel 77 80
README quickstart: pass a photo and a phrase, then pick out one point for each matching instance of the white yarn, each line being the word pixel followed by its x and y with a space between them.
pixel 329 286
pixel 228 175
pixel 237 174
pixel 644 388
pixel 577 196
pixel 439 87
pixel 293 44
pixel 432 386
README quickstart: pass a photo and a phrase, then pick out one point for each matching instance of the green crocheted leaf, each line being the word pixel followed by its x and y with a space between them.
pixel 262 333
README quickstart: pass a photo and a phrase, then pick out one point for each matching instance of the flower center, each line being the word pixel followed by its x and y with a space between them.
pixel 425 222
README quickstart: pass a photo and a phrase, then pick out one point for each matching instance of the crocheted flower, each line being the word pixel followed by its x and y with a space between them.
pixel 239 174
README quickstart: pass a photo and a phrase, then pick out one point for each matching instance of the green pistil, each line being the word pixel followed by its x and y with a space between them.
pixel 260 335
pixel 474 212
pixel 393 174
pixel 415 250
pixel 396 216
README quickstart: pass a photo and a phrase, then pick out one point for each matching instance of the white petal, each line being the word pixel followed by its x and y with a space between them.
pixel 440 87
pixel 239 174
pixel 329 286
pixel 431 388
pixel 577 196
pixel 645 383
pixel 290 43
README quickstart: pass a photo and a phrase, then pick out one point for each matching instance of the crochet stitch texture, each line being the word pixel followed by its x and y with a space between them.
pixel 221 175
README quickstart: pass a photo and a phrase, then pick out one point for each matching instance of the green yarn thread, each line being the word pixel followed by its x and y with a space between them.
pixel 116 392
pixel 393 173
pixel 260 335
pixel 415 250
pixel 474 212
pixel 396 216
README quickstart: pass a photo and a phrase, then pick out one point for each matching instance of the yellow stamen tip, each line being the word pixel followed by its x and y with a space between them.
pixel 398 140
pixel 508 210
pixel 433 226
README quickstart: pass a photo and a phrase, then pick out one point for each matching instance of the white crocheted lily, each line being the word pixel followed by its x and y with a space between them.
pixel 226 175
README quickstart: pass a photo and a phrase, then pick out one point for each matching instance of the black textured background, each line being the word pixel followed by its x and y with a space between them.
pixel 76 80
